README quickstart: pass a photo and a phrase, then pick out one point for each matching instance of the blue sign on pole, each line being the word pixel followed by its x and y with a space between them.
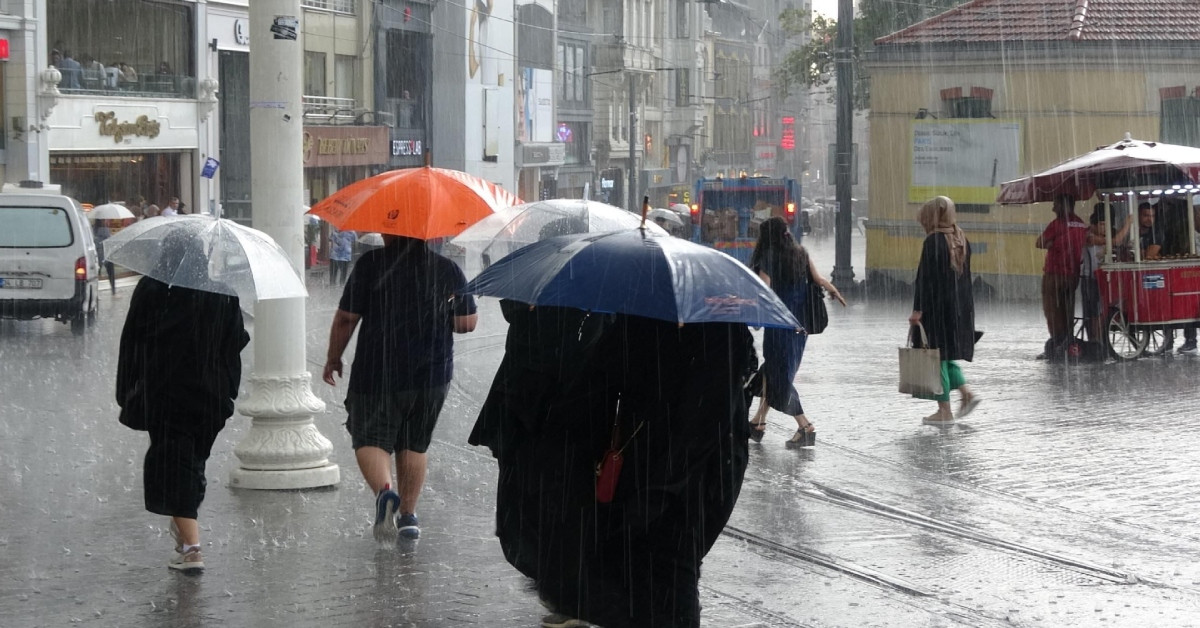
pixel 210 168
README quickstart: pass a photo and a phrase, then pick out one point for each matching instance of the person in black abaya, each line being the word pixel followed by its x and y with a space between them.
pixel 672 399
pixel 177 377
pixel 944 304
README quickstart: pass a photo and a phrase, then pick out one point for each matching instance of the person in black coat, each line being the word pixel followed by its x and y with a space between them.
pixel 178 374
pixel 672 400
pixel 943 303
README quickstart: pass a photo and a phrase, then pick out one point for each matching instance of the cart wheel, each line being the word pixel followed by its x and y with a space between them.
pixel 1124 342
pixel 1158 340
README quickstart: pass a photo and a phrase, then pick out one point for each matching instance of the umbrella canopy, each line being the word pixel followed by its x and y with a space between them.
pixel 666 215
pixel 682 209
pixel 206 253
pixel 510 229
pixel 371 239
pixel 1128 163
pixel 423 203
pixel 630 272
pixel 110 211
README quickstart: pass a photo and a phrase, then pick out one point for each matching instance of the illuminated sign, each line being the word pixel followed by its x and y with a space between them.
pixel 788 135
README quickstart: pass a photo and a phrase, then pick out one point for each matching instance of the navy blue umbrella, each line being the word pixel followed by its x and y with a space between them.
pixel 629 272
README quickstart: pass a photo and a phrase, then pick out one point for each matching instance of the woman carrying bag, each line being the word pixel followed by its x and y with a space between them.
pixel 944 304
pixel 785 266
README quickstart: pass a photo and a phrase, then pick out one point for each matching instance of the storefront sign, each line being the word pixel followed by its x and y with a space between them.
pixel 405 148
pixel 332 146
pixel 547 154
pixel 143 126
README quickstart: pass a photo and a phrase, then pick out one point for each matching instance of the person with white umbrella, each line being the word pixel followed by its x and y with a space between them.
pixel 178 374
pixel 179 366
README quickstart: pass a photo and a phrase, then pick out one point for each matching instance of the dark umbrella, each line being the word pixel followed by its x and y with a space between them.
pixel 630 272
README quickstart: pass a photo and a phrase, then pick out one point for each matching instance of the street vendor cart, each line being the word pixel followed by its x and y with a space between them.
pixel 1143 300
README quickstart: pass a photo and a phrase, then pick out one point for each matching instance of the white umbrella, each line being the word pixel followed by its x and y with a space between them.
pixel 206 253
pixel 371 239
pixel 666 215
pixel 110 211
pixel 521 225
pixel 681 208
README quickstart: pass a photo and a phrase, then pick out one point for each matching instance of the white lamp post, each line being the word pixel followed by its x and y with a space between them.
pixel 283 449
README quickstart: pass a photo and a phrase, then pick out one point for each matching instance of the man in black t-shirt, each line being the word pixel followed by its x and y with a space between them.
pixel 405 297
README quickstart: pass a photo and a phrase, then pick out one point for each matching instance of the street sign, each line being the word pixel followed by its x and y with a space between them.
pixel 210 168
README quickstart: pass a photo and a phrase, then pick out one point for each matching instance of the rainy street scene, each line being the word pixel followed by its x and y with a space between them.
pixel 650 313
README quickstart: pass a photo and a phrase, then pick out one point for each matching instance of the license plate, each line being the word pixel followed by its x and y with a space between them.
pixel 26 284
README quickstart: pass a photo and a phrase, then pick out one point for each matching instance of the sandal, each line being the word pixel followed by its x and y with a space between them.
pixel 937 419
pixel 757 430
pixel 802 438
pixel 968 407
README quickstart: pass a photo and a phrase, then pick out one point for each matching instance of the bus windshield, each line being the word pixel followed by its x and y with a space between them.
pixel 721 210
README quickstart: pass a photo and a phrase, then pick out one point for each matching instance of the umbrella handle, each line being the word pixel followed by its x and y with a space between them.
pixel 645 210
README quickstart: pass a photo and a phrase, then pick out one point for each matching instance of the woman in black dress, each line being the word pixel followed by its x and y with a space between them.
pixel 944 304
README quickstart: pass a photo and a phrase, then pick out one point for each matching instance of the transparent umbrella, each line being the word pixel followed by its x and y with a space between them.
pixel 521 225
pixel 206 253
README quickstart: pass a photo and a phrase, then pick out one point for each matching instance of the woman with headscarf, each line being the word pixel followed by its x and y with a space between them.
pixel 787 268
pixel 178 373
pixel 944 304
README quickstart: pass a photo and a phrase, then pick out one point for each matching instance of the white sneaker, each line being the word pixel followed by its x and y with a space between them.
pixel 190 560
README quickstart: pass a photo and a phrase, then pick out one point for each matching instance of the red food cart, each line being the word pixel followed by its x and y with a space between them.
pixel 1143 300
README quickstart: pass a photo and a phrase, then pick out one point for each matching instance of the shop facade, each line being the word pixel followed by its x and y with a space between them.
pixel 104 151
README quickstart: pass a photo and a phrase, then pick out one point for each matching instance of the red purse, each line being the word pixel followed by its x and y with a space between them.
pixel 608 470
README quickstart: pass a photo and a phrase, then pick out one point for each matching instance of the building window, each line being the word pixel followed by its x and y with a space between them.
pixel 573 64
pixel 408 55
pixel 314 73
pixel 682 19
pixel 977 105
pixel 336 6
pixel 578 144
pixel 1180 119
pixel 683 87
pixel 123 47
pixel 345 76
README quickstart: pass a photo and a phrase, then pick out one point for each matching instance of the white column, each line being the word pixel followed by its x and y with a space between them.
pixel 283 449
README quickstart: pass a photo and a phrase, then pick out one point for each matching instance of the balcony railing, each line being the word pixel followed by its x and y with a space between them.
pixel 330 110
pixel 336 6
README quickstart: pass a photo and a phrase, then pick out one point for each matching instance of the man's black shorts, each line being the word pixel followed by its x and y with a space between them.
pixel 397 421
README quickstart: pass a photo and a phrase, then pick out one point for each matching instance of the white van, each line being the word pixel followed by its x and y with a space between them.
pixel 48 262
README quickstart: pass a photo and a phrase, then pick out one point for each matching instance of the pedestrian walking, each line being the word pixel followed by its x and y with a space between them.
pixel 943 303
pixel 670 399
pixel 1064 240
pixel 341 249
pixel 404 295
pixel 178 373
pixel 785 266
pixel 100 233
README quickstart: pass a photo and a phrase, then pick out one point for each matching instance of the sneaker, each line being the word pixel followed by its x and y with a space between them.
pixel 190 560
pixel 558 620
pixel 174 529
pixel 1188 347
pixel 407 526
pixel 385 514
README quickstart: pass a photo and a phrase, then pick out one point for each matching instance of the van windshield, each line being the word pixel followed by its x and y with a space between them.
pixel 35 228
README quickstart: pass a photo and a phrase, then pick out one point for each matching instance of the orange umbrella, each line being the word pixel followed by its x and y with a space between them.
pixel 423 203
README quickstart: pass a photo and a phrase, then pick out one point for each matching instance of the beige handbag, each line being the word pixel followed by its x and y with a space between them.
pixel 920 368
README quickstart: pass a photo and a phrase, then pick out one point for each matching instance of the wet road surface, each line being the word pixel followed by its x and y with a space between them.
pixel 1067 499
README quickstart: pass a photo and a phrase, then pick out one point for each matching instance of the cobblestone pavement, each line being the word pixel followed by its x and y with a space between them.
pixel 1065 500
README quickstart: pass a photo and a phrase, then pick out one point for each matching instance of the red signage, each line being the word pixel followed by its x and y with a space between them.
pixel 788 136
pixel 3 49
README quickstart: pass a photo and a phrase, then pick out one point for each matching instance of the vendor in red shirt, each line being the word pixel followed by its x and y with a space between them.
pixel 1063 239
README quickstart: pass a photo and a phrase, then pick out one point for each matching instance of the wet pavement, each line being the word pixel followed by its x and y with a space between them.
pixel 1067 499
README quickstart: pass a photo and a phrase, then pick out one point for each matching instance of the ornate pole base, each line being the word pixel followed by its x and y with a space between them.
pixel 284 449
